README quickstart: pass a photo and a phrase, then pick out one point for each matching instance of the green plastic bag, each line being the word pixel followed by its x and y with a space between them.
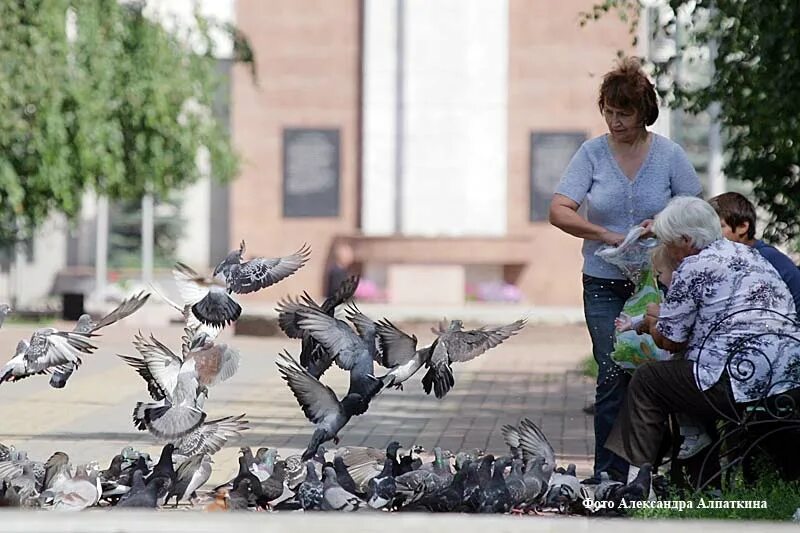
pixel 630 348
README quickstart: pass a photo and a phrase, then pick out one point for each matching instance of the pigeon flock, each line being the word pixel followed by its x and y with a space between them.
pixel 526 480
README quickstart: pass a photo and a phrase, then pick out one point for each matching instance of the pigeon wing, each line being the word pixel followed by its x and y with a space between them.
pixel 395 347
pixel 463 346
pixel 318 401
pixel 162 363
pixel 211 436
pixel 50 348
pixel 344 292
pixel 261 272
pixel 335 336
pixel 123 310
pixel 155 389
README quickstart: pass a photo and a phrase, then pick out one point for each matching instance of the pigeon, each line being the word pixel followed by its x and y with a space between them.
pixel 528 442
pixel 86 325
pixel 176 383
pixel 415 486
pixel 211 436
pixel 210 297
pixel 454 345
pixel 191 321
pixel 145 495
pixel 76 493
pixel 242 497
pixel 221 501
pixel 382 488
pixel 165 470
pixel 354 352
pixel 397 351
pixel 565 492
pixel 5 452
pixel 5 310
pixel 319 403
pixel 8 494
pixel 344 478
pixel 495 496
pixel 364 463
pixel 334 497
pixel 638 490
pixel 47 350
pixel 256 496
pixel 313 355
pixel 272 488
pixel 190 476
pixel 56 470
pixel 310 492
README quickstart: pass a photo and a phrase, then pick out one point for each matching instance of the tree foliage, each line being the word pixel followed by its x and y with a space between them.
pixel 119 105
pixel 755 80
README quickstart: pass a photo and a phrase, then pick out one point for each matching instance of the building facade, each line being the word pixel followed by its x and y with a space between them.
pixel 428 134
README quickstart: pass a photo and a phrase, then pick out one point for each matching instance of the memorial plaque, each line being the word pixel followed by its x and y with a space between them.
pixel 550 154
pixel 311 172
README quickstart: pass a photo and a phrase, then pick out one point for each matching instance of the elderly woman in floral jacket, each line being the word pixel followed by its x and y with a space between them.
pixel 715 278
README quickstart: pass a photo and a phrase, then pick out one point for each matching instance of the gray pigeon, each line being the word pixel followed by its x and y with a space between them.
pixel 354 352
pixel 48 349
pixel 177 383
pixel 8 495
pixel 190 476
pixel 86 325
pixel 145 495
pixel 382 488
pixel 319 403
pixel 310 492
pixel 210 297
pixel 56 470
pixel 454 345
pixel 334 497
pixel 313 356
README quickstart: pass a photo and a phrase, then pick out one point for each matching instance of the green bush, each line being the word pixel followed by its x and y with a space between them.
pixel 589 367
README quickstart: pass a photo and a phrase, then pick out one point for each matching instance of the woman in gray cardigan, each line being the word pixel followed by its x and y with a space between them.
pixel 624 178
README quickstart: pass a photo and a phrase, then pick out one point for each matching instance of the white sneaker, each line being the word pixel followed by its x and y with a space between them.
pixel 693 444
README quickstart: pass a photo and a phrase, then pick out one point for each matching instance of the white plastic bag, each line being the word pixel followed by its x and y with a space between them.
pixel 632 256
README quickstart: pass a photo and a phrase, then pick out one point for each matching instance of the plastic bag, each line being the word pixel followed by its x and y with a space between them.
pixel 632 256
pixel 630 348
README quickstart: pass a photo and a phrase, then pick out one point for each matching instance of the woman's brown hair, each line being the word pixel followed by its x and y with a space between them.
pixel 627 87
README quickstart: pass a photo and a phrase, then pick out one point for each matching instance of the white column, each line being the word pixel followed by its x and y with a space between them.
pixel 147 238
pixel 101 246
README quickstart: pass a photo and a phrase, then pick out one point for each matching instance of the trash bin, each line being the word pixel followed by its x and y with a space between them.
pixel 71 306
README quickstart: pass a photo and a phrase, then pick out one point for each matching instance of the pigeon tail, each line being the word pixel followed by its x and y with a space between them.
pixel 439 378
pixel 217 309
pixel 60 377
pixel 168 422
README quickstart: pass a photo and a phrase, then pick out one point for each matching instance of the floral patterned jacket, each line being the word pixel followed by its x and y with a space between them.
pixel 717 303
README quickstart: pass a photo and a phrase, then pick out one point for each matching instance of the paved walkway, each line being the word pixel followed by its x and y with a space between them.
pixel 533 374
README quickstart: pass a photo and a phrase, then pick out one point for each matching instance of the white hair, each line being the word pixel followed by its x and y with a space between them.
pixel 690 217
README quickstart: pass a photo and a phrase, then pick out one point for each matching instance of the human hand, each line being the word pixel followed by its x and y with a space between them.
pixel 612 238
pixel 623 323
pixel 647 225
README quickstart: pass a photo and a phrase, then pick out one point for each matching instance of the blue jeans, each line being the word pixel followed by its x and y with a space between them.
pixel 602 303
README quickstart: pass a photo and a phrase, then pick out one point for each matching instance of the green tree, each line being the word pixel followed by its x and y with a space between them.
pixel 121 106
pixel 754 80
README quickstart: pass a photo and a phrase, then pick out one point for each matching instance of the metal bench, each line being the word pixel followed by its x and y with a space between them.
pixel 770 424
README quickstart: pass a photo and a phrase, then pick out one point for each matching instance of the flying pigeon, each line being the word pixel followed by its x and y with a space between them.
pixel 319 403
pixel 454 345
pixel 47 349
pixel 86 325
pixel 210 297
pixel 313 355
pixel 177 383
